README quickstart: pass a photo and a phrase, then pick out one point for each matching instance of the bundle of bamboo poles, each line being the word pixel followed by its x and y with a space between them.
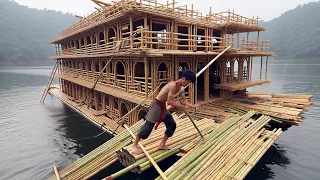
pixel 185 132
pixel 299 101
pixel 98 159
pixel 230 150
pixel 282 108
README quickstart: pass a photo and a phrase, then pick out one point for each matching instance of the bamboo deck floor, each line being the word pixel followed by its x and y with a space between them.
pixel 83 110
pixel 226 153
pixel 229 150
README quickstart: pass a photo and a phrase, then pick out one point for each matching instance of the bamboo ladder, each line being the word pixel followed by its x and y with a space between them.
pixel 47 88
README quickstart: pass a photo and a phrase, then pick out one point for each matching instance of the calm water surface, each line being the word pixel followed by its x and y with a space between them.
pixel 33 136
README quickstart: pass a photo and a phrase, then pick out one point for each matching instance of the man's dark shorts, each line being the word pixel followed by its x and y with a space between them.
pixel 152 117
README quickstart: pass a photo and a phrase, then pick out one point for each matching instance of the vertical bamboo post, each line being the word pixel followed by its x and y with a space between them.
pixel 171 35
pixel 242 45
pixel 131 32
pixel 261 67
pixel 206 83
pixel 232 69
pixel 238 40
pixel 206 39
pixel 150 34
pixel 145 25
pixel 192 10
pixel 173 5
pixel 146 75
pixel 103 100
pixel 233 40
pixel 266 75
pixel 196 83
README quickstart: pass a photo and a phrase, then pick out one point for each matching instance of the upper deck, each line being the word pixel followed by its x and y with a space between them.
pixel 117 9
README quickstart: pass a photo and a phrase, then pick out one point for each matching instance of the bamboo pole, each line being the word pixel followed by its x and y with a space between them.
pixel 148 155
pixel 266 75
pixel 191 119
pixel 56 172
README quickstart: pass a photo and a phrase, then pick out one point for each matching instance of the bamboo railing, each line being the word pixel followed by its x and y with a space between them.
pixel 137 85
pixel 118 8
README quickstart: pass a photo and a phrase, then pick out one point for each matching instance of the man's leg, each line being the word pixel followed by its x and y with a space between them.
pixel 143 133
pixel 170 128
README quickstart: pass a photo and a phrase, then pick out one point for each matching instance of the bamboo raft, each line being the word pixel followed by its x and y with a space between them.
pixel 227 150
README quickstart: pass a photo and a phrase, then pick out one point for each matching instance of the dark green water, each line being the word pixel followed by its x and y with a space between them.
pixel 33 136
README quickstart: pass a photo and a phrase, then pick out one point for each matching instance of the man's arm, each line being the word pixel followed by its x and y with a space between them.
pixel 186 102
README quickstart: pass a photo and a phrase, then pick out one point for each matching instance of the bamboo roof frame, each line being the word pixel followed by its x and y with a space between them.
pixel 121 8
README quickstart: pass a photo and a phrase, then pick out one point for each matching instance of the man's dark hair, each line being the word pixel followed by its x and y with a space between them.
pixel 189 75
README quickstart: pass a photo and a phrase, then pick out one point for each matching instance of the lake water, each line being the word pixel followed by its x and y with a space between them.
pixel 35 136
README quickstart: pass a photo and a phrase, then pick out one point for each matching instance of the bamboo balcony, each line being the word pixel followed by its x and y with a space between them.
pixel 167 41
pixel 116 91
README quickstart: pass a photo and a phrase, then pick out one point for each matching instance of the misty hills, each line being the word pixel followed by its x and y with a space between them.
pixel 296 33
pixel 25 32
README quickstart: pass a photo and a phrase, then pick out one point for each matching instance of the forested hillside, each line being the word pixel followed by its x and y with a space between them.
pixel 25 33
pixel 296 33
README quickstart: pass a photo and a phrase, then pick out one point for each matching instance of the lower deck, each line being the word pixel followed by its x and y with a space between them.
pixel 253 113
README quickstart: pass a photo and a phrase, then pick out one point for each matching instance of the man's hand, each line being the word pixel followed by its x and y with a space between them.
pixel 185 109
pixel 196 106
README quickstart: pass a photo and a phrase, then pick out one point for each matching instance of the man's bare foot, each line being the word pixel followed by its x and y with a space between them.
pixel 135 149
pixel 163 147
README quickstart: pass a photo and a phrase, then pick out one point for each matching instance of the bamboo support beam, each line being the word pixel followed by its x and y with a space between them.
pixel 148 155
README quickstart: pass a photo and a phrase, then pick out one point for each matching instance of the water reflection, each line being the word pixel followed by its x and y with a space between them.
pixel 276 155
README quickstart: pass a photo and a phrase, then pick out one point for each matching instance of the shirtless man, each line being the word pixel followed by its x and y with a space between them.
pixel 158 113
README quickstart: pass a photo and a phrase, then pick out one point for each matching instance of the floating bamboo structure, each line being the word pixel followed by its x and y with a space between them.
pixel 110 62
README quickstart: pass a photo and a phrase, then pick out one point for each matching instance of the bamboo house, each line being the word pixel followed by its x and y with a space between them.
pixel 113 62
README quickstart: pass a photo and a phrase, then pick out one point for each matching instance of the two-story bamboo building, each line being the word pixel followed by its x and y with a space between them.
pixel 158 42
